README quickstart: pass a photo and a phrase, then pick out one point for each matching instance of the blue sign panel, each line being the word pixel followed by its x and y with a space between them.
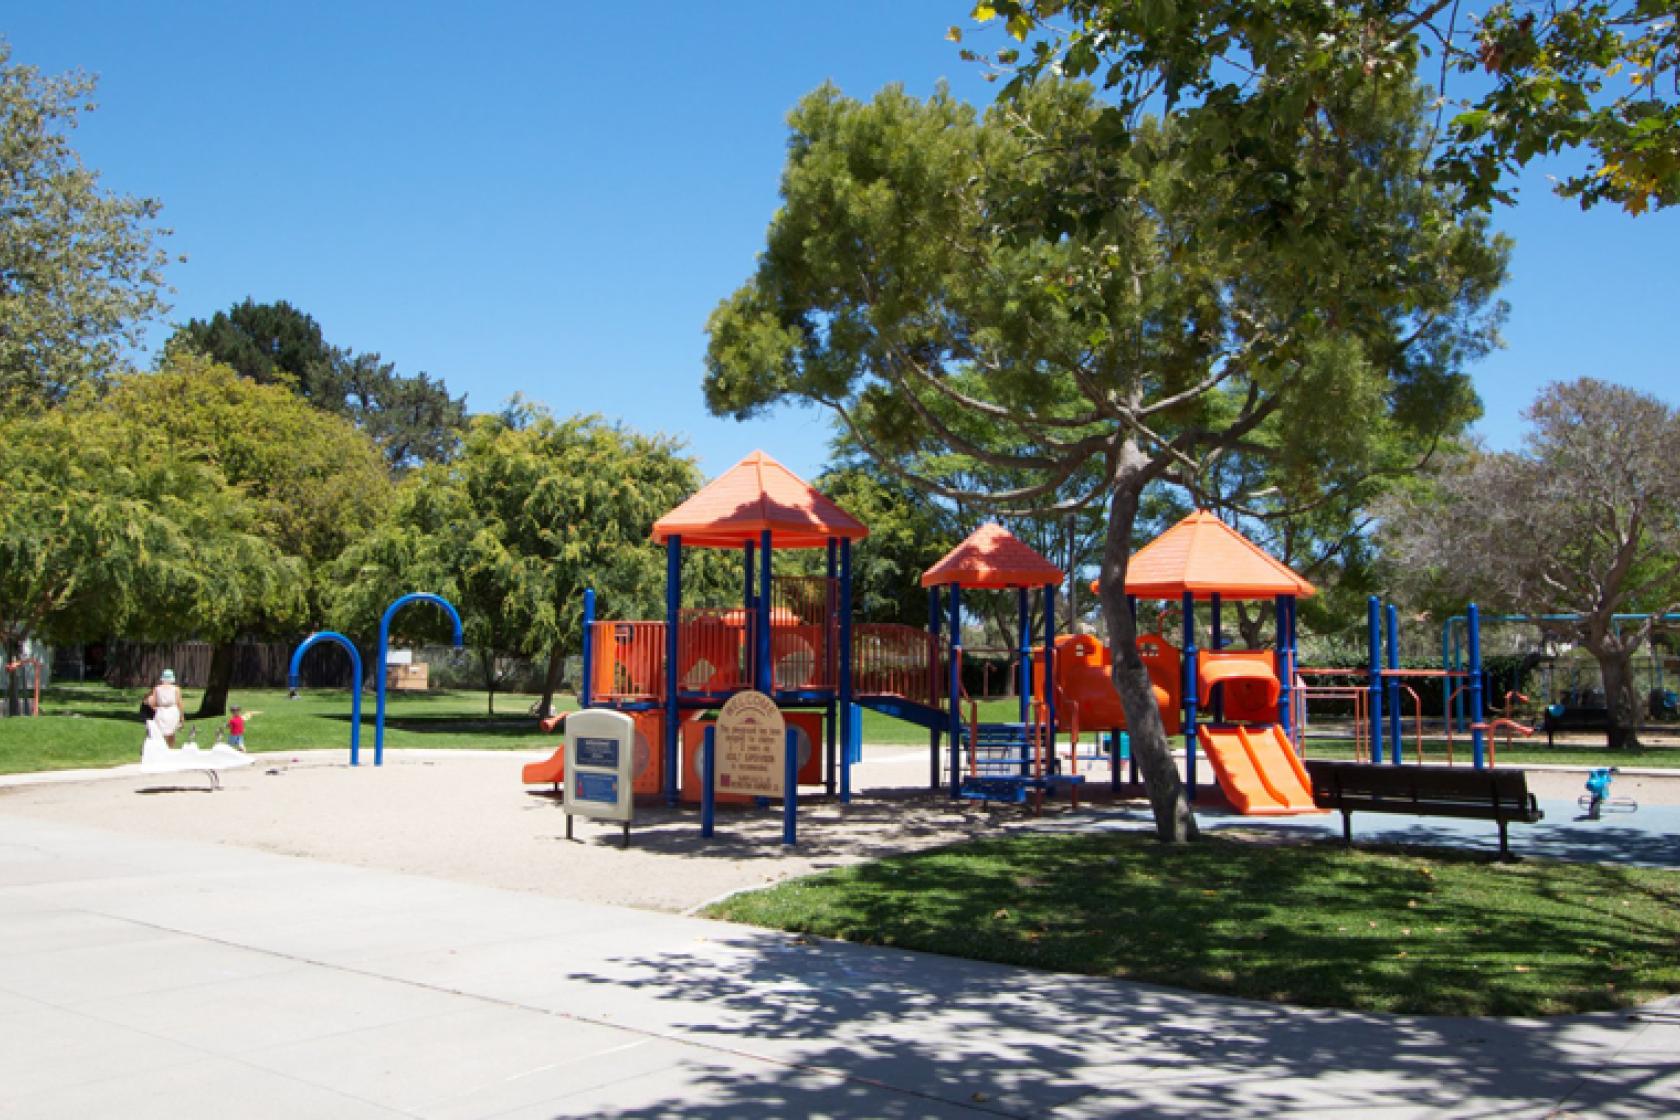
pixel 598 787
pixel 598 752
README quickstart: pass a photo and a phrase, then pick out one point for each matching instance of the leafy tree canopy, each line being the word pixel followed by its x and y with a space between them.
pixel 910 284
pixel 1584 520
pixel 532 511
pixel 80 270
pixel 105 529
pixel 412 419
pixel 1249 78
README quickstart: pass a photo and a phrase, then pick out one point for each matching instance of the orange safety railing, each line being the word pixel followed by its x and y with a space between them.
pixel 805 641
pixel 1417 718
pixel 628 661
pixel 1303 694
pixel 714 649
pixel 889 658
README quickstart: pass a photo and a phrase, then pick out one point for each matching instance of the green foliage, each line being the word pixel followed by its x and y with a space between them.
pixel 996 357
pixel 907 535
pixel 412 419
pixel 1253 79
pixel 80 271
pixel 532 511
pixel 315 482
pixel 1425 932
pixel 105 528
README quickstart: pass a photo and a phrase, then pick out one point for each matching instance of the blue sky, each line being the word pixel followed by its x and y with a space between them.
pixel 549 199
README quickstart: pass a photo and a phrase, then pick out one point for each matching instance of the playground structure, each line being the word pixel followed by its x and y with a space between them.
pixel 356 668
pixel 1006 761
pixel 793 638
pixel 1387 698
pixel 1233 707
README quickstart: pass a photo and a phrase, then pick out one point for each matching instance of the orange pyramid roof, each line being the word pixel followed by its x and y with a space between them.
pixel 992 557
pixel 1203 555
pixel 756 494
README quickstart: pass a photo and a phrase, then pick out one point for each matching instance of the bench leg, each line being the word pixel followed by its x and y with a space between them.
pixel 1347 828
pixel 1505 841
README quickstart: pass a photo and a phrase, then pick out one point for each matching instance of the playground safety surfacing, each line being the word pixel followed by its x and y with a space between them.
pixel 143 976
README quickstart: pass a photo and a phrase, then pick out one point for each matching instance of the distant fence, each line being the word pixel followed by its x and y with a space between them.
pixel 255 665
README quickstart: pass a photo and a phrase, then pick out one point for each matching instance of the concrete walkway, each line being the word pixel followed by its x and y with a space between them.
pixel 143 977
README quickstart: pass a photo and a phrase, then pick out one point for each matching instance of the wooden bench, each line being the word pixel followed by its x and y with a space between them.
pixel 1424 791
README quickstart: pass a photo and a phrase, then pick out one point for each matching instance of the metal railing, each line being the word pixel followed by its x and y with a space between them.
pixel 893 659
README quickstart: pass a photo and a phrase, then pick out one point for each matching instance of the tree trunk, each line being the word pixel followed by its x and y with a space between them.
pixel 551 681
pixel 14 699
pixel 1616 666
pixel 218 684
pixel 1252 627
pixel 1174 820
pixel 487 666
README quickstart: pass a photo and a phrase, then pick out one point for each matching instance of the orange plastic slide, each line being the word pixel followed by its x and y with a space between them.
pixel 1257 769
pixel 551 769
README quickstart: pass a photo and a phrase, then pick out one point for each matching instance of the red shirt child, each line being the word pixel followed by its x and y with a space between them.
pixel 236 728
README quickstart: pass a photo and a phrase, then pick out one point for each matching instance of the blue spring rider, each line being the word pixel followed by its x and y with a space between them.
pixel 1597 799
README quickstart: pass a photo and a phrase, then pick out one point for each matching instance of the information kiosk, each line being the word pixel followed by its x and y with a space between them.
pixel 600 760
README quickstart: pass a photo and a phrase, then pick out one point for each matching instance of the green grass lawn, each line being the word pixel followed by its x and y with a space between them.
pixel 1304 923
pixel 93 725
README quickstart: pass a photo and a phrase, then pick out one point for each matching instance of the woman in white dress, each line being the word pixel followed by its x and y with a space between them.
pixel 165 701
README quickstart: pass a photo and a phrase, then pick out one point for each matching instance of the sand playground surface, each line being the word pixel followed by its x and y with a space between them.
pixel 465 816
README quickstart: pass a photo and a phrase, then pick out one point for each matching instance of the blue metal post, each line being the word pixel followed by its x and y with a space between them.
pixel 953 669
pixel 1285 664
pixel 1023 615
pixel 831 765
pixel 848 711
pixel 708 779
pixel 1190 697
pixel 1396 738
pixel 1447 681
pixel 1294 649
pixel 1122 736
pixel 1050 662
pixel 384 650
pixel 585 693
pixel 1216 636
pixel 1478 746
pixel 1373 641
pixel 766 669
pixel 355 682
pixel 934 628
pixel 673 652
pixel 790 788
pixel 749 639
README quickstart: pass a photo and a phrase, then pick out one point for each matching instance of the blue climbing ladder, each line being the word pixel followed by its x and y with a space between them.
pixel 1002 764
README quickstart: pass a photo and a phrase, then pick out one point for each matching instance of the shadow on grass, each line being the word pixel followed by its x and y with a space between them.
pixel 1306 923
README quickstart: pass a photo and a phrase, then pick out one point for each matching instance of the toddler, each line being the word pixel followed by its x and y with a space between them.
pixel 236 728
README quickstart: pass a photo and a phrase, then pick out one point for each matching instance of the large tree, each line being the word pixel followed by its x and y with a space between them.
pixel 1584 520
pixel 1515 81
pixel 911 284
pixel 532 511
pixel 315 482
pixel 80 269
pixel 413 419
pixel 104 529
